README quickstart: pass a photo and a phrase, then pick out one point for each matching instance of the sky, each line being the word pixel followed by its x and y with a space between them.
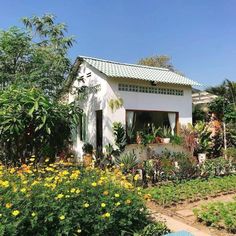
pixel 199 35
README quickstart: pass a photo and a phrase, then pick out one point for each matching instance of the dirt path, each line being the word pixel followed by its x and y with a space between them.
pixel 181 217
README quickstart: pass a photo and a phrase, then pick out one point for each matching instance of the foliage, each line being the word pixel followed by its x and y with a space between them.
pixel 36 55
pixel 33 124
pixel 192 190
pixel 63 200
pixel 120 136
pixel 218 214
pixel 87 148
pixel 176 140
pixel 227 90
pixel 223 109
pixel 115 104
pixel 203 137
pixel 166 132
pixel 231 154
pixel 162 61
pixel 216 167
pixel 189 138
pixel 154 229
pixel 199 113
pixel 127 161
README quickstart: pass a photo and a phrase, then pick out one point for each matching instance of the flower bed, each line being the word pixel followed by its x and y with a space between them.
pixel 54 200
pixel 192 190
pixel 218 214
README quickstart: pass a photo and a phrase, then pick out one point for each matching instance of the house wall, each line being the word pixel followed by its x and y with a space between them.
pixel 132 101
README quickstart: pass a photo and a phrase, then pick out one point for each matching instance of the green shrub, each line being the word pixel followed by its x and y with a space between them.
pixel 154 229
pixel 58 201
pixel 33 124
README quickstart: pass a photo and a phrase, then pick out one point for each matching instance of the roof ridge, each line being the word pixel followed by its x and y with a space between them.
pixel 127 64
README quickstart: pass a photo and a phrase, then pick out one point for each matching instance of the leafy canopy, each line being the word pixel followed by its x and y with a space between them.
pixel 35 55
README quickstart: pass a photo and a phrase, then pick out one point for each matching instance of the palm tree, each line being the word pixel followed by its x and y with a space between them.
pixel 227 90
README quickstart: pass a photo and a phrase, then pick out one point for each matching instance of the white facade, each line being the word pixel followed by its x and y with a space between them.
pixel 132 101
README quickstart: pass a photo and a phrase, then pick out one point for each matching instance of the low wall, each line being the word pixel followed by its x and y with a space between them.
pixel 145 152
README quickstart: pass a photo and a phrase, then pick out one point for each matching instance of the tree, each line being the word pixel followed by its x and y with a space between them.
pixel 36 55
pixel 227 90
pixel 162 61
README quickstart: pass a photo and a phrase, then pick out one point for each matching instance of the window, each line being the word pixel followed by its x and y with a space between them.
pixel 153 90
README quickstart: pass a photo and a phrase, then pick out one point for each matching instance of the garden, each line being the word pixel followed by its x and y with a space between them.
pixel 44 190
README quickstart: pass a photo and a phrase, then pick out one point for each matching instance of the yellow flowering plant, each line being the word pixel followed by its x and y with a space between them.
pixel 68 200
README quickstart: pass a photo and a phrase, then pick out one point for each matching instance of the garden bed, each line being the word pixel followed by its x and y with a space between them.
pixel 193 190
pixel 221 215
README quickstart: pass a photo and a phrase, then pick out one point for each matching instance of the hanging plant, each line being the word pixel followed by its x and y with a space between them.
pixel 115 104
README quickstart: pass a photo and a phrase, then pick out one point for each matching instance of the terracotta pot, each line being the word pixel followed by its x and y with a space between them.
pixel 87 160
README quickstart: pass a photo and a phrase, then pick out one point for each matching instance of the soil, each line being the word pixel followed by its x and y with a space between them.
pixel 184 213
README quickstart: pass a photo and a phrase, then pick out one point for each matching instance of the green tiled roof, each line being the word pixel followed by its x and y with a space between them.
pixel 133 71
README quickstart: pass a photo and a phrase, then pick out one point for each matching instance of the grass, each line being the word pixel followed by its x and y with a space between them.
pixel 192 190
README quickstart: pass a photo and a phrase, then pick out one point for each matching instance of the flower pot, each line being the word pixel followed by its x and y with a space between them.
pixel 166 140
pixel 201 157
pixel 87 160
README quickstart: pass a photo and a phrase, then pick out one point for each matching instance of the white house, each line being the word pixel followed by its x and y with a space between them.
pixel 150 95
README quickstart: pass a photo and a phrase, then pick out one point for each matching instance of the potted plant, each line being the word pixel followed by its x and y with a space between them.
pixel 166 134
pixel 87 154
pixel 203 141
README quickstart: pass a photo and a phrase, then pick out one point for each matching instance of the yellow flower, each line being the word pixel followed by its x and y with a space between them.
pixel 15 213
pixel 128 201
pixel 107 215
pixel 103 204
pixel 23 190
pixel 86 205
pixel 105 193
pixel 59 196
pixel 47 160
pixel 62 217
pixel 72 190
pixel 122 164
pixel 136 177
pixel 12 170
pixel 94 184
pixel 117 195
pixel 77 191
pixel 33 214
pixel 32 159
pixel 79 230
pixel 4 184
pixel 117 204
pixel 8 205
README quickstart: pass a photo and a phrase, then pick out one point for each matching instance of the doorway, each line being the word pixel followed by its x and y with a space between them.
pixel 99 133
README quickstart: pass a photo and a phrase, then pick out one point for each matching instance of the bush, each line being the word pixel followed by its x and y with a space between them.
pixel 53 200
pixel 87 148
pixel 33 124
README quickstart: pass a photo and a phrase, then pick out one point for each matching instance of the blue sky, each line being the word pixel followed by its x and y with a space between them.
pixel 199 35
